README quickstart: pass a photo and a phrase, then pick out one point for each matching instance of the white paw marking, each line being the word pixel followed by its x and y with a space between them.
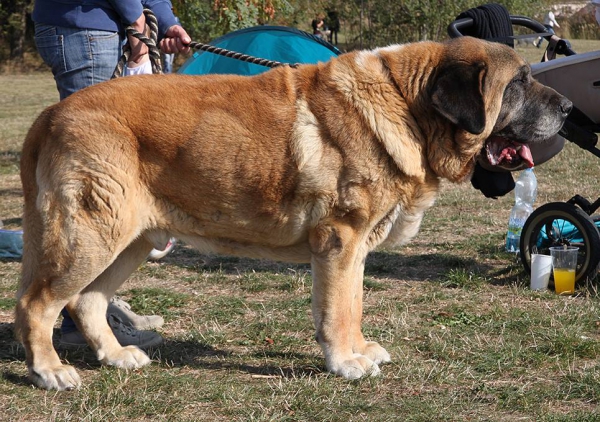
pixel 63 377
pixel 129 357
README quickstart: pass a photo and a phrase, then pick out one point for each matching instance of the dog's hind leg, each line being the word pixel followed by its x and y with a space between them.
pixel 88 309
pixel 84 286
pixel 76 225
pixel 48 283
pixel 37 310
pixel 43 292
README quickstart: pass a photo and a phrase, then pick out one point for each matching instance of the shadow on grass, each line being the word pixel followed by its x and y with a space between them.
pixel 17 221
pixel 10 348
pixel 171 353
pixel 203 356
pixel 16 379
pixel 386 264
pixel 11 193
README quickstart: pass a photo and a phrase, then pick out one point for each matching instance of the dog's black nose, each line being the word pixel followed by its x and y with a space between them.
pixel 566 106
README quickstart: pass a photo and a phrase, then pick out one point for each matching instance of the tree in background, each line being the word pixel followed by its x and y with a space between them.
pixel 208 19
pixel 582 24
pixel 238 14
pixel 14 28
pixel 381 22
pixel 197 17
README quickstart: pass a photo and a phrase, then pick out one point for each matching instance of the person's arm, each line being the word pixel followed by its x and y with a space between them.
pixel 131 13
pixel 163 10
pixel 553 19
pixel 128 10
pixel 139 50
pixel 172 37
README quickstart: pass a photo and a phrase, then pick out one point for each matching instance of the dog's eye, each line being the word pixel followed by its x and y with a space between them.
pixel 523 77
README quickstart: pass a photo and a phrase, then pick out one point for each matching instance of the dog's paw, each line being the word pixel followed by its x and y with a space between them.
pixel 375 352
pixel 62 377
pixel 129 357
pixel 357 367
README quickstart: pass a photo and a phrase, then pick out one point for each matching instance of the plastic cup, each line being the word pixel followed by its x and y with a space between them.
pixel 541 267
pixel 564 264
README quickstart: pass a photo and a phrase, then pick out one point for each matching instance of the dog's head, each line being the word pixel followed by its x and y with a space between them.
pixel 487 89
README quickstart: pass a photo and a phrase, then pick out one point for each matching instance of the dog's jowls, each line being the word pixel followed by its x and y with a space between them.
pixel 317 164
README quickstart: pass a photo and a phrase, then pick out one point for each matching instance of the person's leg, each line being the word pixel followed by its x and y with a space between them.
pixel 68 325
pixel 167 63
pixel 78 57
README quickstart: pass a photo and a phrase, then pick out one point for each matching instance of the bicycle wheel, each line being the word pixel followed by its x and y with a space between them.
pixel 558 224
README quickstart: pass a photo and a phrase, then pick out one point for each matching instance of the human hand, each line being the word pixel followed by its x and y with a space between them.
pixel 139 50
pixel 176 40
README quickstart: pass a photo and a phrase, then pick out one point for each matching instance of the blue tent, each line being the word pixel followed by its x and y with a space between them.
pixel 279 43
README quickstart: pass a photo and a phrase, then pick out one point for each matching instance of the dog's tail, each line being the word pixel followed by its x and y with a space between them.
pixel 33 226
pixel 32 222
pixel 49 202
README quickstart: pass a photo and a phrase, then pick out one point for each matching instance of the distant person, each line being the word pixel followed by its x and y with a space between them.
pixel 333 22
pixel 82 42
pixel 319 28
pixel 549 23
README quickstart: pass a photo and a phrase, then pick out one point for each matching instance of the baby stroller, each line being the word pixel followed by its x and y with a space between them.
pixel 576 76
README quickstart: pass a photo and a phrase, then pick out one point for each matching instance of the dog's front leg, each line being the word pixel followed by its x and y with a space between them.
pixel 337 268
pixel 370 349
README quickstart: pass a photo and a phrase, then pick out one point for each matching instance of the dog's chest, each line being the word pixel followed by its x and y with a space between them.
pixel 403 221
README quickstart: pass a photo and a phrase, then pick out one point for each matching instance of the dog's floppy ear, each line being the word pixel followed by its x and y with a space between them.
pixel 457 94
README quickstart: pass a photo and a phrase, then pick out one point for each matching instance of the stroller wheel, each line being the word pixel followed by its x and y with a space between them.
pixel 558 224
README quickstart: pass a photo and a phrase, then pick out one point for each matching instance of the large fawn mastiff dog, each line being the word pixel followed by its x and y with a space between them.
pixel 321 163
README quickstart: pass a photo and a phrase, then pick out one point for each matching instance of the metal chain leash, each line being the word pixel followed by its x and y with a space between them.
pixel 154 51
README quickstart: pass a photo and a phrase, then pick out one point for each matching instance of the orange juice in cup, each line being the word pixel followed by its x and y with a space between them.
pixel 564 264
pixel 564 280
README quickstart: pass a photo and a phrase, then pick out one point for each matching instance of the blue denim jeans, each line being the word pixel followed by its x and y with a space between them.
pixel 78 57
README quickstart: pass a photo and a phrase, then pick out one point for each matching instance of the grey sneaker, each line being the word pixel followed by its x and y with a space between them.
pixel 126 336
pixel 122 310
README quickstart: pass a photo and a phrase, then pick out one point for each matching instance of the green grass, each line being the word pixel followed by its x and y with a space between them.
pixel 468 339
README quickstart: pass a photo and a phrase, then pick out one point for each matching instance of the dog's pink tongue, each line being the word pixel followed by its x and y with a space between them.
pixel 525 154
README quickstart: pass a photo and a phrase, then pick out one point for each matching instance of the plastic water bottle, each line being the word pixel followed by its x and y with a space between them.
pixel 525 194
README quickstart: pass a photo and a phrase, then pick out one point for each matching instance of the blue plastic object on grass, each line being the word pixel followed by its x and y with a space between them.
pixel 11 243
pixel 279 43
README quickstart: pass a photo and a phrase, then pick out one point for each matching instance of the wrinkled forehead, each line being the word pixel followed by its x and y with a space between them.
pixel 501 54
pixel 505 65
pixel 469 49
